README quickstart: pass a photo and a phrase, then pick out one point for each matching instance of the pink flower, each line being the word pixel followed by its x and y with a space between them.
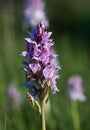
pixel 40 65
pixel 75 88
pixel 14 94
pixel 34 12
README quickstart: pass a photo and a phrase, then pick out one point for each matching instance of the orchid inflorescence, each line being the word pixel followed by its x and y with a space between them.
pixel 75 88
pixel 40 68
pixel 34 11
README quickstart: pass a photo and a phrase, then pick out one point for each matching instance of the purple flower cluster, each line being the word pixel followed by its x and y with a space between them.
pixel 14 94
pixel 40 67
pixel 75 89
pixel 34 12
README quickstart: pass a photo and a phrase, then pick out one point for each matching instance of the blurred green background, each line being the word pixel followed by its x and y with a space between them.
pixel 70 24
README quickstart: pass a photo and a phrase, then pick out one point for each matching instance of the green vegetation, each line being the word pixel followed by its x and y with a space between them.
pixel 72 45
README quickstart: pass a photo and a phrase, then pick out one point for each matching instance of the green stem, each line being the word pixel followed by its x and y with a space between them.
pixel 43 115
pixel 5 120
pixel 75 115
